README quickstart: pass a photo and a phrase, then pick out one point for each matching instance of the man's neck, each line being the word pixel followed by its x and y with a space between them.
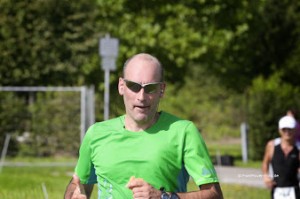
pixel 287 143
pixel 140 126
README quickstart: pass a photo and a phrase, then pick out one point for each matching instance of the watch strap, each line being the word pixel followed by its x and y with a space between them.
pixel 174 196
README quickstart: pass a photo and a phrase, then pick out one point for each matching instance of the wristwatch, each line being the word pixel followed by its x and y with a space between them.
pixel 174 196
pixel 165 195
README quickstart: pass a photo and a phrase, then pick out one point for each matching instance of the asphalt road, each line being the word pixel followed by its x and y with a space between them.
pixel 238 175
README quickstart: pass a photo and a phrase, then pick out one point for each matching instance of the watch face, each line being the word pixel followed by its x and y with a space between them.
pixel 164 196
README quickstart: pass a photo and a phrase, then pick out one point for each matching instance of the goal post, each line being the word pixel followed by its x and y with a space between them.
pixel 87 101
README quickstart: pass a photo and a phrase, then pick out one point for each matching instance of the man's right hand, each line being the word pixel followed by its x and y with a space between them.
pixel 74 190
pixel 269 182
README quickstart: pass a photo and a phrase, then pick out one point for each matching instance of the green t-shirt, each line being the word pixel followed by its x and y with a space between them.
pixel 157 155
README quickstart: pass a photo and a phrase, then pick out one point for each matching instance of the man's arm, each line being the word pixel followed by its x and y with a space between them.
pixel 299 167
pixel 76 190
pixel 207 191
pixel 141 189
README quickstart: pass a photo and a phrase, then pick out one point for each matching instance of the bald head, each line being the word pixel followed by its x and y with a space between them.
pixel 148 58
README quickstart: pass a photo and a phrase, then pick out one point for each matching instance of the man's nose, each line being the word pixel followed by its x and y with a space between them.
pixel 141 94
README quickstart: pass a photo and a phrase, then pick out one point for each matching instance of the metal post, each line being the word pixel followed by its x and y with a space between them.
pixel 4 150
pixel 91 105
pixel 108 50
pixel 106 95
pixel 83 112
pixel 244 140
pixel 44 188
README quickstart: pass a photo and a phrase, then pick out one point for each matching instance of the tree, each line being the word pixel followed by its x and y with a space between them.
pixel 59 133
pixel 217 112
pixel 47 42
pixel 56 43
pixel 266 42
pixel 14 119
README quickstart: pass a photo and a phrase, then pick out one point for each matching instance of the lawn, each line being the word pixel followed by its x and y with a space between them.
pixel 50 182
pixel 32 182
pixel 230 147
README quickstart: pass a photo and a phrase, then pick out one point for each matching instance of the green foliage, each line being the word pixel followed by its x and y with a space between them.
pixel 268 100
pixel 179 33
pixel 55 42
pixel 13 118
pixel 46 42
pixel 13 114
pixel 217 113
pixel 267 43
pixel 41 124
pixel 59 133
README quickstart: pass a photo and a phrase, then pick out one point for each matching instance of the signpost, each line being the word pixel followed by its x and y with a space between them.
pixel 108 50
pixel 244 139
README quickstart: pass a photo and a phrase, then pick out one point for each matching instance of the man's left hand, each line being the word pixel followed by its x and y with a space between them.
pixel 142 189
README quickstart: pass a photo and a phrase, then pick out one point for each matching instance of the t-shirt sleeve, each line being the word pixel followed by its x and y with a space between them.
pixel 84 168
pixel 196 158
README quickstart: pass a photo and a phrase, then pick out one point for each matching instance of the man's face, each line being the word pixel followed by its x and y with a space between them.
pixel 141 103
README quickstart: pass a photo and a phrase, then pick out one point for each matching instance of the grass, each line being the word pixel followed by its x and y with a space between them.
pixel 231 191
pixel 27 182
pixel 230 147
pixel 245 192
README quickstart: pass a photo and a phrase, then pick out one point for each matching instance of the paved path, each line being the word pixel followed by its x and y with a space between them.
pixel 238 175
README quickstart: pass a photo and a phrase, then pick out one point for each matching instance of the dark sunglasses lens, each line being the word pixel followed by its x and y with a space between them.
pixel 133 86
pixel 287 130
pixel 151 88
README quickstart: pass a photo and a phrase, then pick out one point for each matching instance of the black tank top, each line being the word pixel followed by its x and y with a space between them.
pixel 285 168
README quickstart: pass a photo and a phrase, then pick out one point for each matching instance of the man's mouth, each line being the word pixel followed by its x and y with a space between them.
pixel 142 107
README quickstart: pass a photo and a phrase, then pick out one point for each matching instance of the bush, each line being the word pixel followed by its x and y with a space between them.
pixel 41 124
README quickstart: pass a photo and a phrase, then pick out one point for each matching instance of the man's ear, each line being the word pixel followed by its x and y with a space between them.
pixel 121 86
pixel 162 93
pixel 162 89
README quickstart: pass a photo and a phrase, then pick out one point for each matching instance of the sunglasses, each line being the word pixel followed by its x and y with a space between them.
pixel 149 88
pixel 287 130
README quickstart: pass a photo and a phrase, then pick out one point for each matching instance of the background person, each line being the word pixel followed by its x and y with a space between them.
pixel 283 156
pixel 144 153
pixel 292 112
